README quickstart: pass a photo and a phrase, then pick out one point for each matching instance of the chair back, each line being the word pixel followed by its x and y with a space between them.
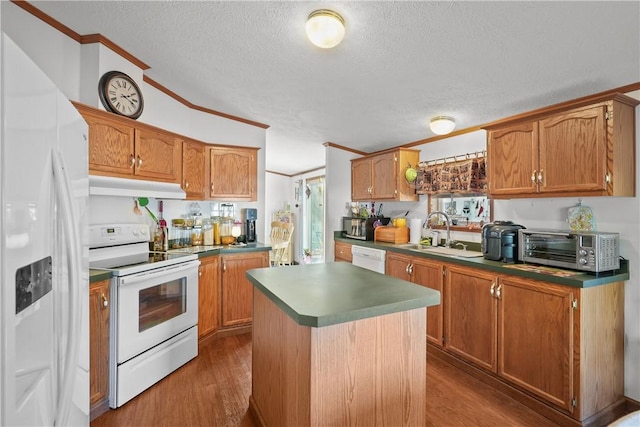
pixel 281 233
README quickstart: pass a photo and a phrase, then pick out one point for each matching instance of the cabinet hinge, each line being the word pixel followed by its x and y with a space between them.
pixel 574 402
pixel 574 304
pixel 608 115
pixel 444 271
pixel 444 340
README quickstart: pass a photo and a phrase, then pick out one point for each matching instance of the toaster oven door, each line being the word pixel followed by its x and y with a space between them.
pixel 555 249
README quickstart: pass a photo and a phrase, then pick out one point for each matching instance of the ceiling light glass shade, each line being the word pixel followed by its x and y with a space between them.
pixel 442 125
pixel 325 28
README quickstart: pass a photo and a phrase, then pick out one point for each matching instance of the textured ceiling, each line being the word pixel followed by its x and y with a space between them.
pixel 399 64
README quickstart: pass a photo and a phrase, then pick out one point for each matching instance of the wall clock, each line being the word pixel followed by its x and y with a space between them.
pixel 120 94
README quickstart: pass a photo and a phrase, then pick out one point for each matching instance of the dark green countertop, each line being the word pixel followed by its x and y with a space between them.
pixel 575 279
pixel 319 295
pixel 202 251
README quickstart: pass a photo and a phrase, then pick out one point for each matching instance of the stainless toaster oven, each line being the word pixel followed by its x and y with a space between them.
pixel 591 251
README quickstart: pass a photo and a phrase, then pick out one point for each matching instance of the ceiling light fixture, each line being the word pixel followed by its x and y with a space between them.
pixel 442 125
pixel 325 28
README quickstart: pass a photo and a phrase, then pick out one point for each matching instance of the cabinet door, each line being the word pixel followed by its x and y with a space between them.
pixel 237 291
pixel 536 338
pixel 158 156
pixel 573 151
pixel 512 154
pixel 430 274
pixel 233 174
pixel 470 315
pixel 398 265
pixel 98 342
pixel 193 170
pixel 111 147
pixel 385 174
pixel 343 252
pixel 208 295
pixel 361 176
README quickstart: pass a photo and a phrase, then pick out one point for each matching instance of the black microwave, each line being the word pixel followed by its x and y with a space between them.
pixel 361 228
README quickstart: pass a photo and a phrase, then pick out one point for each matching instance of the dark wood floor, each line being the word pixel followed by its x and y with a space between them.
pixel 214 388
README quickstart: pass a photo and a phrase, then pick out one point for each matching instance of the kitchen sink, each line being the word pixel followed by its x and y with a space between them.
pixel 442 250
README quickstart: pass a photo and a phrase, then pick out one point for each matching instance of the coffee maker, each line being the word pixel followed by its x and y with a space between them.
pixel 249 217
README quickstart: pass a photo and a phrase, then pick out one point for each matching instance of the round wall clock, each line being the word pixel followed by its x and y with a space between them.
pixel 120 94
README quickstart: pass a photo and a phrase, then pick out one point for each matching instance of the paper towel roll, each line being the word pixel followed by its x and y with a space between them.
pixel 415 224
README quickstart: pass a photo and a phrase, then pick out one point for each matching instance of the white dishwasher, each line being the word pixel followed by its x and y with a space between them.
pixel 369 258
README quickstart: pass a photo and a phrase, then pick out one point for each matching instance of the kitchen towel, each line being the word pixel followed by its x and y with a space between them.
pixel 415 224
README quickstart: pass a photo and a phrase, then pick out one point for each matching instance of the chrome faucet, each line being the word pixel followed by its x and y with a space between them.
pixel 447 222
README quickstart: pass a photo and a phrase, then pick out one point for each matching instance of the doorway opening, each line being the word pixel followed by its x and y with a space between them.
pixel 313 219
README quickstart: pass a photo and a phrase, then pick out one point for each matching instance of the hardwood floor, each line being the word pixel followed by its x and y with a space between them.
pixel 214 389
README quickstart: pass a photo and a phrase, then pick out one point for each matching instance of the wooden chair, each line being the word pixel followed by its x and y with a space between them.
pixel 281 233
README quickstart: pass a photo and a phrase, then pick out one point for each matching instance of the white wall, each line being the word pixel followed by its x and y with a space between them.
pixel 77 69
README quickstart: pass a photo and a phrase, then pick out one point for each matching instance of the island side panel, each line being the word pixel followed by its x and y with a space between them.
pixel 370 371
pixel 280 366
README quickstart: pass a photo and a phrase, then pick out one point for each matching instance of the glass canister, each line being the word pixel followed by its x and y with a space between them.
pixel 225 231
pixel 207 231
pixel 216 231
pixel 197 236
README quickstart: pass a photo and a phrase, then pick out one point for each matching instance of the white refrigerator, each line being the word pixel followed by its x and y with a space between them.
pixel 44 295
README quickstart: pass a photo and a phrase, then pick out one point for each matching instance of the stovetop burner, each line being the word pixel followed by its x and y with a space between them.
pixel 124 249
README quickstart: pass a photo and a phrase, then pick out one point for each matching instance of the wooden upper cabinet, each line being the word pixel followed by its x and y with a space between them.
pixel 573 151
pixel 120 147
pixel 111 146
pixel 514 159
pixel 381 176
pixel 577 150
pixel 193 170
pixel 233 173
pixel 158 156
pixel 361 173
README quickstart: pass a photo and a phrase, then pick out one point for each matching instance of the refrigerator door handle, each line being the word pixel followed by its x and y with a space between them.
pixel 67 216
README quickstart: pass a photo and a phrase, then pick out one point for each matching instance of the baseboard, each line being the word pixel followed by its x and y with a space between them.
pixel 225 332
pixel 98 409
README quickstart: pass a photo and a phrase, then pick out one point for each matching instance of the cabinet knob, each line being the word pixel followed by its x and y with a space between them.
pixel 132 160
pixel 499 291
pixel 139 162
pixel 533 176
pixel 186 184
pixel 105 301
pixel 492 291
pixel 540 176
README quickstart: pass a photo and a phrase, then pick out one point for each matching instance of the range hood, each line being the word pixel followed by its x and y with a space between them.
pixel 109 186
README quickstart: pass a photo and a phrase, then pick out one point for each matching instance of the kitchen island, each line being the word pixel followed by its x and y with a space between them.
pixel 335 344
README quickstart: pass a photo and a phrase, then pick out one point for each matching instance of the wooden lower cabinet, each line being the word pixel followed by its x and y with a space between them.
pixel 99 347
pixel 237 291
pixel 561 344
pixel 424 272
pixel 208 295
pixel 343 252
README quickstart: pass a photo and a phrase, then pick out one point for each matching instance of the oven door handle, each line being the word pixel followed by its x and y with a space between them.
pixel 164 273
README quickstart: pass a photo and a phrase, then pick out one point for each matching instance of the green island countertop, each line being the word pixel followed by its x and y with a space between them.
pixel 319 295
pixel 558 276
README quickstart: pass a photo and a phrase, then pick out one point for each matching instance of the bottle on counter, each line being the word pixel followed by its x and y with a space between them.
pixel 216 231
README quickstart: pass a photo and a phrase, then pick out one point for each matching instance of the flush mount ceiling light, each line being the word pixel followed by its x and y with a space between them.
pixel 325 28
pixel 442 125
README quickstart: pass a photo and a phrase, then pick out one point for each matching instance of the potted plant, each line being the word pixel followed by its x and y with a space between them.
pixel 306 259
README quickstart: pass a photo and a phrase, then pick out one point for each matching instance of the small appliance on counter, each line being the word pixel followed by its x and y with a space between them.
pixel 362 228
pixel 500 241
pixel 591 251
pixel 249 217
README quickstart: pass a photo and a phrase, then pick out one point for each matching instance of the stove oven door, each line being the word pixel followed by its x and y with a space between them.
pixel 154 306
